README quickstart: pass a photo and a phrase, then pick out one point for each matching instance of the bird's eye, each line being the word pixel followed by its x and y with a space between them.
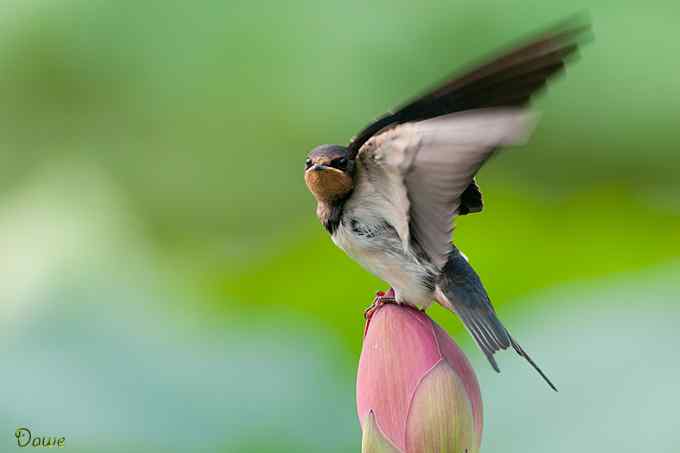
pixel 340 162
pixel 308 163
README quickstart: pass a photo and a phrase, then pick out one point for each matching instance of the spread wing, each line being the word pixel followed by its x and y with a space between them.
pixel 509 79
pixel 424 168
pixel 425 154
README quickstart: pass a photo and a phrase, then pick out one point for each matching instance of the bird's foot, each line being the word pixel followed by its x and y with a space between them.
pixel 381 298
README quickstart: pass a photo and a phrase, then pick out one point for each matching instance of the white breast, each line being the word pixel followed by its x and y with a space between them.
pixel 378 248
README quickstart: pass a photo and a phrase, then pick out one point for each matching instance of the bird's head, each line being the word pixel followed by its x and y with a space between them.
pixel 329 173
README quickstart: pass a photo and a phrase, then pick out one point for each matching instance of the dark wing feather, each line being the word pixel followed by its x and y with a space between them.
pixel 507 80
pixel 471 199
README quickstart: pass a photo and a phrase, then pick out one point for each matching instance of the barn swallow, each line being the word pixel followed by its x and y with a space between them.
pixel 390 197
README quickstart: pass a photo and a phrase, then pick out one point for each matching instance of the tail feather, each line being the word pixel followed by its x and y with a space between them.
pixel 461 291
pixel 523 353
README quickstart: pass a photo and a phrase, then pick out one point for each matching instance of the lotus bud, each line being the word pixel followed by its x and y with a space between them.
pixel 416 390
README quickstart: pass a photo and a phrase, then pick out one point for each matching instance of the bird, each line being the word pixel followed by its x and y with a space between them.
pixel 389 199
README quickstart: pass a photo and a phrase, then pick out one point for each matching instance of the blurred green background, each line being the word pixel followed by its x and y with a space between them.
pixel 165 285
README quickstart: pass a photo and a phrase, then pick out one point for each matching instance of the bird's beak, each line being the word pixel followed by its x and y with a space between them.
pixel 318 167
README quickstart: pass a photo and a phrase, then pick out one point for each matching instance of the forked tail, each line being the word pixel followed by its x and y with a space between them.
pixel 460 290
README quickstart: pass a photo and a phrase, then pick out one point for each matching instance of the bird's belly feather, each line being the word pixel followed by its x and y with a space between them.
pixel 378 248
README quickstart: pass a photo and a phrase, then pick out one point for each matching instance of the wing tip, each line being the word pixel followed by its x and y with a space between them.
pixel 574 29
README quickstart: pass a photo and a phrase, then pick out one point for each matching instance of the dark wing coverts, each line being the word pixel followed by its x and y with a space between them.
pixel 507 80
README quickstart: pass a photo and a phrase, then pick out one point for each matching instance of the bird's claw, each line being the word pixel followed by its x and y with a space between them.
pixel 381 298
